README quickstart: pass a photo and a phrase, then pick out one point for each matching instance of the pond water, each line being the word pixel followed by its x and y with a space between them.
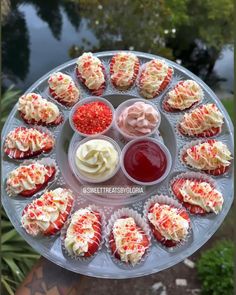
pixel 40 35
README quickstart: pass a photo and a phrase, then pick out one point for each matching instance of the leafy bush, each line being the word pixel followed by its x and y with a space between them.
pixel 17 256
pixel 215 269
pixel 9 98
pixel 228 103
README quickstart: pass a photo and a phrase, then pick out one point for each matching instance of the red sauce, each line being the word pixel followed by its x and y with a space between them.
pixel 145 161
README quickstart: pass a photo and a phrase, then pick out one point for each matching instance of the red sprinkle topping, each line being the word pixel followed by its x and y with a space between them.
pixel 92 118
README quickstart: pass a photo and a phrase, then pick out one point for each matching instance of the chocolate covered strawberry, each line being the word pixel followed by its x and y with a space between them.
pixel 124 68
pixel 84 233
pixel 183 96
pixel 47 214
pixel 22 143
pixel 36 110
pixel 91 72
pixel 204 121
pixel 210 156
pixel 28 179
pixel 170 225
pixel 63 89
pixel 155 77
pixel 198 195
pixel 128 241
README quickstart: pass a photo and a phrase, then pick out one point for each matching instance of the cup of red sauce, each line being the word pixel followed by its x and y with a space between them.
pixel 146 161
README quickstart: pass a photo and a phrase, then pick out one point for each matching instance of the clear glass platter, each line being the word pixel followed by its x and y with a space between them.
pixel 159 257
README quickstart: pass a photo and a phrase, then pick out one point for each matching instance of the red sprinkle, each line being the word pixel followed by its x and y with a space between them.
pixel 92 118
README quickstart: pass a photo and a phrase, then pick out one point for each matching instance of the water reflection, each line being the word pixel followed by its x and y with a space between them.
pixel 173 29
pixel 15 46
pixel 51 14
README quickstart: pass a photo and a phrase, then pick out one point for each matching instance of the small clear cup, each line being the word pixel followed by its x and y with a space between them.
pixel 162 147
pixel 126 104
pixel 86 101
pixel 76 171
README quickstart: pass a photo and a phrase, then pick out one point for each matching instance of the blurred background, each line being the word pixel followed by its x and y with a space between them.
pixel 198 34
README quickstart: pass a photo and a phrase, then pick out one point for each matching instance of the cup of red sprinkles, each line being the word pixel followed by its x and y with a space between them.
pixel 92 116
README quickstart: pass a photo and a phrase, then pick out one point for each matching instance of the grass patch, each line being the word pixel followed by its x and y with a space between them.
pixel 215 269
pixel 229 105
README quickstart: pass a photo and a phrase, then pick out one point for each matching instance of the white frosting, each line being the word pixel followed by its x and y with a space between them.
pixel 26 177
pixel 25 139
pixel 96 158
pixel 44 211
pixel 81 232
pixel 152 77
pixel 90 69
pixel 203 195
pixel 123 69
pixel 208 155
pixel 64 87
pixel 202 119
pixel 185 94
pixel 128 240
pixel 168 222
pixel 33 106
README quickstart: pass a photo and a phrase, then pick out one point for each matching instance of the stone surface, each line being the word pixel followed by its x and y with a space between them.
pixel 189 263
pixel 181 282
pixel 159 288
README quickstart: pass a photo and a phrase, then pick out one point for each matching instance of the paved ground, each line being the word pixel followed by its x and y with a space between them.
pixel 162 283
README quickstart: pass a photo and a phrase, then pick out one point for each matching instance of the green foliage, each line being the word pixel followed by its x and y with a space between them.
pixel 213 21
pixel 9 98
pixel 229 106
pixel 215 269
pixel 134 24
pixel 17 256
pixel 156 25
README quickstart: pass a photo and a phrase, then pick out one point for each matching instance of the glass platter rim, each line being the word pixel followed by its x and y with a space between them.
pixel 188 251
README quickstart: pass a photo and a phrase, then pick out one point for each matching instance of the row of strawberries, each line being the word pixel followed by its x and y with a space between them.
pixel 82 231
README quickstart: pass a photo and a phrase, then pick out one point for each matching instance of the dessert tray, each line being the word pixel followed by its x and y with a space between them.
pixel 102 264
